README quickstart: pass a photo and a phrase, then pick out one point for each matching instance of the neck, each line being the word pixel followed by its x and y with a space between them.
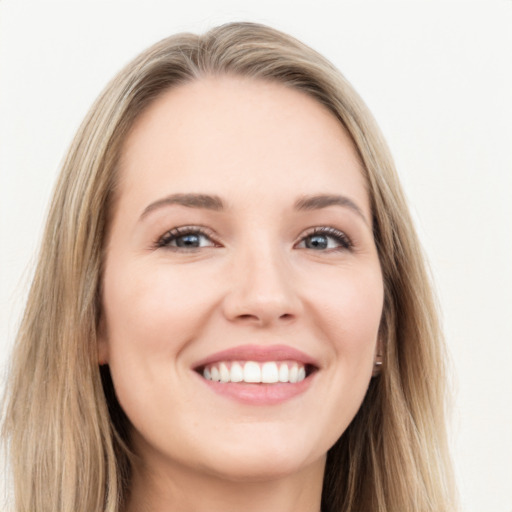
pixel 180 489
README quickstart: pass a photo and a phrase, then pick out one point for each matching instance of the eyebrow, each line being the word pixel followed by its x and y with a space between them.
pixel 189 200
pixel 215 203
pixel 318 202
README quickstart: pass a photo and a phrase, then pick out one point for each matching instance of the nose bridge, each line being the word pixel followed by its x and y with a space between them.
pixel 262 288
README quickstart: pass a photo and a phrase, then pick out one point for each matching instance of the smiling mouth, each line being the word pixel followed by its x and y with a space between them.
pixel 256 372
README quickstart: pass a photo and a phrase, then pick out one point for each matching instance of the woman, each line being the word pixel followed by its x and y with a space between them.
pixel 231 309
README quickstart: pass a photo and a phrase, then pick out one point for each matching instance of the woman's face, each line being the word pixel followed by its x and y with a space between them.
pixel 240 249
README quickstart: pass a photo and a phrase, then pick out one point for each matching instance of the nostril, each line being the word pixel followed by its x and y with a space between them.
pixel 262 318
pixel 248 317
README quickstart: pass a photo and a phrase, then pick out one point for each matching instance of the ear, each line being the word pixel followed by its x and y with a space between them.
pixel 102 342
pixel 378 358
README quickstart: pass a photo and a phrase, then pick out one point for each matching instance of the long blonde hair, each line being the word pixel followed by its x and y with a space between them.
pixel 66 434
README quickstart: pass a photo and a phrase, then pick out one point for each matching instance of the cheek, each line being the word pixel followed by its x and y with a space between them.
pixel 153 309
pixel 346 308
pixel 350 305
pixel 150 314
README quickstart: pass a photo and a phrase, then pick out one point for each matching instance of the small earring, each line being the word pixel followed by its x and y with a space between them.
pixel 377 368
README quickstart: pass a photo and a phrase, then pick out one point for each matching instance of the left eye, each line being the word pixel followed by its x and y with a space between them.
pixel 180 238
pixel 325 239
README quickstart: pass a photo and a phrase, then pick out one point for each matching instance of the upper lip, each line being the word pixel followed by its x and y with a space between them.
pixel 258 353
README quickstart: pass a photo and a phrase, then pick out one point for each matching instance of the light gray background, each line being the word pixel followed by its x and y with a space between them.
pixel 437 76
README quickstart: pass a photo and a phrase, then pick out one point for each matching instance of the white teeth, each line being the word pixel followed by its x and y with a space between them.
pixel 269 372
pixel 215 374
pixel 224 373
pixel 294 371
pixel 252 372
pixel 283 373
pixel 237 373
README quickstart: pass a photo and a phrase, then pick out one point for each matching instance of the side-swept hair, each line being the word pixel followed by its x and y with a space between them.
pixel 65 431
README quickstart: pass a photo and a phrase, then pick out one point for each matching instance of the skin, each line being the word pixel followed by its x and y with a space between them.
pixel 259 147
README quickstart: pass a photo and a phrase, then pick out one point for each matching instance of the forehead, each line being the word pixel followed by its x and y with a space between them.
pixel 242 136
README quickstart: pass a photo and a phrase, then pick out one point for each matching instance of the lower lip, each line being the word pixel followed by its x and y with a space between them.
pixel 259 394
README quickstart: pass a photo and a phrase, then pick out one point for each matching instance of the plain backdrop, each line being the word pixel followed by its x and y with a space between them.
pixel 436 75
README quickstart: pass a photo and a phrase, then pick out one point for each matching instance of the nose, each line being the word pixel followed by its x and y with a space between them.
pixel 262 290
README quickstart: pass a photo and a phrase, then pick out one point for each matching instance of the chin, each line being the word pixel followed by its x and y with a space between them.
pixel 259 469
pixel 255 461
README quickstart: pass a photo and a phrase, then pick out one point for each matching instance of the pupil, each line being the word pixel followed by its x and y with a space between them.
pixel 316 242
pixel 187 241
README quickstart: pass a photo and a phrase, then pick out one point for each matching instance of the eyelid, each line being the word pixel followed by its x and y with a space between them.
pixel 343 239
pixel 173 233
pixel 163 241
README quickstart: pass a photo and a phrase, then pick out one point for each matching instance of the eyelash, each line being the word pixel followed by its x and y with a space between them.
pixel 172 235
pixel 341 238
pixel 175 233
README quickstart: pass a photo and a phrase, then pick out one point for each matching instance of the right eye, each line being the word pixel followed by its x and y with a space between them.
pixel 186 238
